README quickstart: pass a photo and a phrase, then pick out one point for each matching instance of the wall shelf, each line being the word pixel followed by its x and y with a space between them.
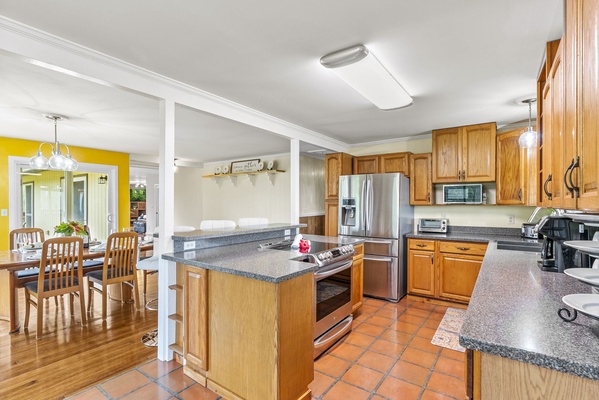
pixel 251 175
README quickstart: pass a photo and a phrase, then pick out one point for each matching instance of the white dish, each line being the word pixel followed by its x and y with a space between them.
pixel 586 275
pixel 586 246
pixel 270 165
pixel 590 219
pixel 225 169
pixel 260 166
pixel 34 257
pixel 216 170
pixel 588 304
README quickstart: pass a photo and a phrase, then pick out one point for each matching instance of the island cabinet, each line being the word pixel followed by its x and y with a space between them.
pixel 443 270
pixel 464 154
pixel 357 294
pixel 245 338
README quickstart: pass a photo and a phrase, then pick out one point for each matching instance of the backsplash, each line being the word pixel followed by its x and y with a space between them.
pixel 477 215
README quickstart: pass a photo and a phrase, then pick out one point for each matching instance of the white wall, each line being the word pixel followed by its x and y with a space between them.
pixel 188 196
pixel 311 186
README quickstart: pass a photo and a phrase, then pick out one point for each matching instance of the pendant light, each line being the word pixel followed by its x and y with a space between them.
pixel 57 160
pixel 528 139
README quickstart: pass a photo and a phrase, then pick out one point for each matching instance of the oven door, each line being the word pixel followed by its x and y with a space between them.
pixel 333 295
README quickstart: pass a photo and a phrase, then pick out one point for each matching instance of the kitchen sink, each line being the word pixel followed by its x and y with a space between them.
pixel 532 247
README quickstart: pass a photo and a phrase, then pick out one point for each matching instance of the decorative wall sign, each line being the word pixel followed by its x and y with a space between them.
pixel 244 166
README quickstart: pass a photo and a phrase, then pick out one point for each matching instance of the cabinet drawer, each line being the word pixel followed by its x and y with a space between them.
pixel 475 249
pixel 419 244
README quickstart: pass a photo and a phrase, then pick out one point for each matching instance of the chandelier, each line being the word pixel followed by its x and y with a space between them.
pixel 57 160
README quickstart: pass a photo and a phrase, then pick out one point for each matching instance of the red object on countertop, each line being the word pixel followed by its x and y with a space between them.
pixel 304 246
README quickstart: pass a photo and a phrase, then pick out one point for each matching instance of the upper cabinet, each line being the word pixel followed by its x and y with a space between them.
pixel 569 91
pixel 336 164
pixel 464 154
pixel 383 163
pixel 512 165
pixel 421 186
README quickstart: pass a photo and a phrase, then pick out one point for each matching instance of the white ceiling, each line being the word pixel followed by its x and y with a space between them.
pixel 462 61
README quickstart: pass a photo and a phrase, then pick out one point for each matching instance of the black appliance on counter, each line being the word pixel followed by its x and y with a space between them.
pixel 556 257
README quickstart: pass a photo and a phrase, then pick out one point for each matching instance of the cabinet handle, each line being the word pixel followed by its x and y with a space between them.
pixel 520 194
pixel 464 248
pixel 432 259
pixel 428 197
pixel 575 189
pixel 420 245
pixel 549 196
pixel 570 188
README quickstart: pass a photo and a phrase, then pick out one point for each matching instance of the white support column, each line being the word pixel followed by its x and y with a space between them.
pixel 167 273
pixel 294 184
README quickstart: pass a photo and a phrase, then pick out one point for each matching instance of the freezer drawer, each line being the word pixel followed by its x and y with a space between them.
pixel 382 247
pixel 382 278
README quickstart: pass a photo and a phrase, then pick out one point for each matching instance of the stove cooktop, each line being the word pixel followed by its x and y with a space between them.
pixel 319 252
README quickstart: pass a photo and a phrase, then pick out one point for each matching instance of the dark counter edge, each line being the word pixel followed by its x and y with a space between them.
pixel 179 258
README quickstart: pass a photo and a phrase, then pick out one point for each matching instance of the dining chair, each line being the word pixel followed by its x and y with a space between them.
pixel 119 267
pixel 32 234
pixel 149 266
pixel 58 259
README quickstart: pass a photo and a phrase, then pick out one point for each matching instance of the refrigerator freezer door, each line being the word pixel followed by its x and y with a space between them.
pixel 382 200
pixel 351 205
pixel 381 277
pixel 382 247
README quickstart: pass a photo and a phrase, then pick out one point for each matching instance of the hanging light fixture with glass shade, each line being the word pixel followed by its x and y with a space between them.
pixel 57 160
pixel 528 139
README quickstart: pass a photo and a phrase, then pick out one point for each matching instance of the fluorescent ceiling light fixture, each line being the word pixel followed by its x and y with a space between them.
pixel 360 69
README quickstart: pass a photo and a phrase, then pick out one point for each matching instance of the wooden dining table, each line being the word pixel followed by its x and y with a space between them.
pixel 12 262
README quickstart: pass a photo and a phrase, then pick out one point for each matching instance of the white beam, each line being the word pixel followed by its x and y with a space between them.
pixel 294 183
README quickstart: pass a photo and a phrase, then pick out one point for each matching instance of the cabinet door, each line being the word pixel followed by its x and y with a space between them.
pixel 421 186
pixel 195 336
pixel 511 181
pixel 395 162
pixel 336 164
pixel 545 157
pixel 588 88
pixel 447 161
pixel 331 217
pixel 557 132
pixel 366 165
pixel 457 276
pixel 357 293
pixel 478 152
pixel 421 272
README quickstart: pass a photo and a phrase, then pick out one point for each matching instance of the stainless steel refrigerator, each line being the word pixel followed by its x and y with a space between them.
pixel 376 207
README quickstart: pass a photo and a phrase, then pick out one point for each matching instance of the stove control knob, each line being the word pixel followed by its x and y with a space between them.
pixel 328 255
pixel 321 256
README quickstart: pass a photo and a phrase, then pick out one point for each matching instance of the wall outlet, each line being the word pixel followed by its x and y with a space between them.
pixel 287 232
pixel 4 212
pixel 189 245
pixel 511 220
pixel 189 255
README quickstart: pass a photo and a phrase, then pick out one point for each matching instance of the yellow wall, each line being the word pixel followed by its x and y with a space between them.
pixel 28 148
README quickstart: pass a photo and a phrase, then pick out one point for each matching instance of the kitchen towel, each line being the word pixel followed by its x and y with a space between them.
pixel 448 332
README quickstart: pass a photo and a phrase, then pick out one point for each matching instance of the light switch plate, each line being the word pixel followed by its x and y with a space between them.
pixel 4 212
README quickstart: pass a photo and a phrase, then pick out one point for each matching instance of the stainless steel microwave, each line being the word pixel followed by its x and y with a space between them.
pixel 463 194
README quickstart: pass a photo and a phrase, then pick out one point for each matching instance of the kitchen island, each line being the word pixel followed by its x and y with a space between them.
pixel 246 316
pixel 520 347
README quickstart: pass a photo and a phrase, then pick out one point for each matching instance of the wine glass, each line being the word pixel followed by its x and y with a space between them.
pixel 21 242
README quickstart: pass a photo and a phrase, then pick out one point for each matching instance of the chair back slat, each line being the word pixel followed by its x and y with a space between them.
pixel 60 255
pixel 121 257
pixel 33 235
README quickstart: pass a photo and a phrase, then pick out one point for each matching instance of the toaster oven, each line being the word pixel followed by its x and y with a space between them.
pixel 435 225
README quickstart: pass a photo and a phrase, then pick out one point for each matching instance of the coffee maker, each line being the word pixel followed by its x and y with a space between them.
pixel 556 257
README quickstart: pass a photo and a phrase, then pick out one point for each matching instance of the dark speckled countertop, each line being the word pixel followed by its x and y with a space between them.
pixel 513 314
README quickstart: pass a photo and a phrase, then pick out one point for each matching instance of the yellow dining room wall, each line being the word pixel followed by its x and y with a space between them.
pixel 28 148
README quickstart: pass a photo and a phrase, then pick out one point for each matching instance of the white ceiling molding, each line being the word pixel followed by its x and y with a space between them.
pixel 49 51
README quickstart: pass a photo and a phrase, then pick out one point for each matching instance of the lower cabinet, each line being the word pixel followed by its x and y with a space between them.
pixel 444 270
pixel 195 333
pixel 357 294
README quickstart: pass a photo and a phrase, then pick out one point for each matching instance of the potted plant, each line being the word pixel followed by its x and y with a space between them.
pixel 69 228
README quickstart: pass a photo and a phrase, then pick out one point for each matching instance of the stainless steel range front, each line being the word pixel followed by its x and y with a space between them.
pixel 333 289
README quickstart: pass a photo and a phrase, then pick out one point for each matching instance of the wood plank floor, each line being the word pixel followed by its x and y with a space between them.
pixel 71 357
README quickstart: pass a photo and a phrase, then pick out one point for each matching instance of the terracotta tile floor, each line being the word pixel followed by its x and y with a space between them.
pixel 387 356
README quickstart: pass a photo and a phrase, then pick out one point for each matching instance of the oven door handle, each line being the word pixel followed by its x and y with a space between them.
pixel 320 274
pixel 334 334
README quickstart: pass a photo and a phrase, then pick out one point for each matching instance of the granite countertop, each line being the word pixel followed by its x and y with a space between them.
pixel 513 314
pixel 248 260
pixel 472 234
pixel 199 234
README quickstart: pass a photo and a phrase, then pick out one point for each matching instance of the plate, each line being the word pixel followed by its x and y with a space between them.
pixel 586 246
pixel 225 169
pixel 590 219
pixel 586 275
pixel 260 166
pixel 270 165
pixel 216 170
pixel 588 304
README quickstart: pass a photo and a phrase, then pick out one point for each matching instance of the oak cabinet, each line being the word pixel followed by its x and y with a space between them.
pixel 444 270
pixel 331 217
pixel 512 169
pixel 357 294
pixel 421 184
pixel 195 317
pixel 336 164
pixel 383 163
pixel 464 154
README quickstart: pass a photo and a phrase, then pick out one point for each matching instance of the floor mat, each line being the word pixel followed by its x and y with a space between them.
pixel 448 332
pixel 150 339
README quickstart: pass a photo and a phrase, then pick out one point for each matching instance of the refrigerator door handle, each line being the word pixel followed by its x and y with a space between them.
pixel 385 241
pixel 378 258
pixel 363 205
pixel 368 201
